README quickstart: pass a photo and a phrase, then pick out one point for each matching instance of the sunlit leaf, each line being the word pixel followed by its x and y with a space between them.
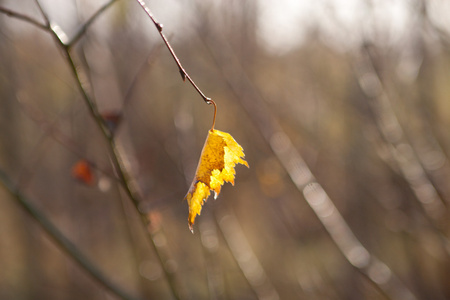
pixel 220 155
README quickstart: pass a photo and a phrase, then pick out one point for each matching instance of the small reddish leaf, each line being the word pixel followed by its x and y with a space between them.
pixel 82 171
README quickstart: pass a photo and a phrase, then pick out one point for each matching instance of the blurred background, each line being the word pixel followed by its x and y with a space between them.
pixel 342 108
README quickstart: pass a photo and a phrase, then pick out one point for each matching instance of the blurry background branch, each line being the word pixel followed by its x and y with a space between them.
pixel 402 152
pixel 116 156
pixel 22 17
pixel 356 254
pixel 124 176
pixel 61 240
pixel 86 25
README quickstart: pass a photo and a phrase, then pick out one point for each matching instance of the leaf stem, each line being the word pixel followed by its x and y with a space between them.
pixel 210 101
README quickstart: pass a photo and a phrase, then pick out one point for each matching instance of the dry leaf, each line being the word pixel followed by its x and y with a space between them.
pixel 82 171
pixel 220 155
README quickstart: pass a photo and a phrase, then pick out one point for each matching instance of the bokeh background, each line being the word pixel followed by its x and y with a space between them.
pixel 343 111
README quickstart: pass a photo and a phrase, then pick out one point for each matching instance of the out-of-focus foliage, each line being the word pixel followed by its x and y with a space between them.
pixel 365 104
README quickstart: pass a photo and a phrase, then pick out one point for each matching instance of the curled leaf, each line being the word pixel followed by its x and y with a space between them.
pixel 220 155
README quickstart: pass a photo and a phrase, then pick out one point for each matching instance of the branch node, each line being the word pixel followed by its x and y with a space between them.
pixel 183 74
pixel 159 26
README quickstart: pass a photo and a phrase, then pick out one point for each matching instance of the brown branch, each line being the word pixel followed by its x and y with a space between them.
pixel 43 13
pixel 124 176
pixel 13 14
pixel 85 26
pixel 117 161
pixel 81 31
pixel 60 239
pixel 51 128
pixel 139 75
pixel 184 74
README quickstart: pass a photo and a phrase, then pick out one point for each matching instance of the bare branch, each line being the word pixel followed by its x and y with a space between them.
pixel 184 74
pixel 243 253
pixel 60 239
pixel 13 14
pixel 85 26
pixel 124 176
pixel 401 149
pixel 44 14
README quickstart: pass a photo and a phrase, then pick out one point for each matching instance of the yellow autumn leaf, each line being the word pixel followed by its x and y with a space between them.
pixel 220 155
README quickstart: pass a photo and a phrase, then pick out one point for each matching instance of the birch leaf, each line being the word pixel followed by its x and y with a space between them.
pixel 220 155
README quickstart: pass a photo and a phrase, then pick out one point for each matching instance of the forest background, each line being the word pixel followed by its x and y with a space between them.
pixel 342 108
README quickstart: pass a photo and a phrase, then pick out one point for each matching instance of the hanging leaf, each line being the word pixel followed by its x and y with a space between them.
pixel 82 171
pixel 220 155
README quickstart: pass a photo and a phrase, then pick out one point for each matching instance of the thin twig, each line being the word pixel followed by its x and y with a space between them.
pixel 210 244
pixel 51 128
pixel 85 26
pixel 60 239
pixel 115 155
pixel 124 176
pixel 401 150
pixel 44 14
pixel 11 13
pixel 140 74
pixel 245 257
pixel 184 74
